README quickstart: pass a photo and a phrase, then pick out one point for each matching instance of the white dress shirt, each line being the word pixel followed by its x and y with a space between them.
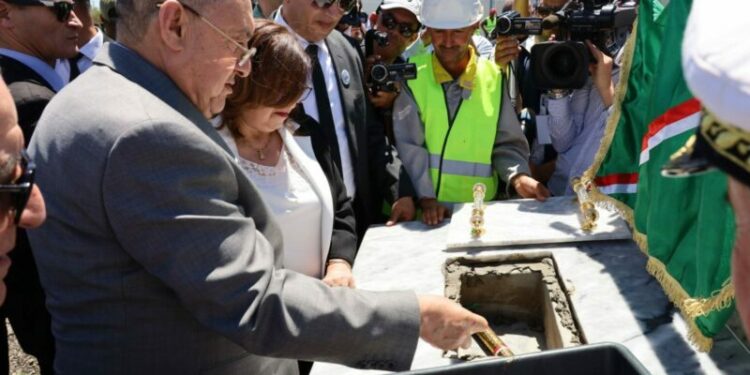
pixel 576 125
pixel 334 96
pixel 295 206
pixel 88 51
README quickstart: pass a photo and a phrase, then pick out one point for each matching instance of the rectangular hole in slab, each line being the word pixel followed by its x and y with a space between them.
pixel 523 299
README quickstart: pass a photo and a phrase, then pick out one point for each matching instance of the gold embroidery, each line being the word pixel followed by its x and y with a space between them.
pixel 730 142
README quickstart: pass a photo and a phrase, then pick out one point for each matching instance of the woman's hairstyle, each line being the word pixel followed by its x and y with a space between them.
pixel 278 76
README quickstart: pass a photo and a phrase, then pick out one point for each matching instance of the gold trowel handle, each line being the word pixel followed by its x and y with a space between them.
pixel 491 344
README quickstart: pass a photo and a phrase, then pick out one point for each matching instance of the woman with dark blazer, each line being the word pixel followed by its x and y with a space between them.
pixel 273 144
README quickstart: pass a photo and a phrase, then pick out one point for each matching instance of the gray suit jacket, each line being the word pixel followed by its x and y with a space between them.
pixel 159 257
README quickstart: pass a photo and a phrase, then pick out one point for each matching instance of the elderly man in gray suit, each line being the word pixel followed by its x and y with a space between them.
pixel 158 256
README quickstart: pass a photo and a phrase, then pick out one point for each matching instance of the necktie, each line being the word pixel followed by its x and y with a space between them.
pixel 74 70
pixel 325 117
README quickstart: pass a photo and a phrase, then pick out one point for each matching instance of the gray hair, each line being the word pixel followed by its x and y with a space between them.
pixel 7 167
pixel 134 16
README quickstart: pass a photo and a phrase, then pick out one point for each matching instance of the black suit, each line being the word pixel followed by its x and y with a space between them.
pixel 365 134
pixel 25 302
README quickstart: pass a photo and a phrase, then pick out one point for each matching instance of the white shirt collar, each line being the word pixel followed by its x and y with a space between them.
pixel 92 46
pixel 302 41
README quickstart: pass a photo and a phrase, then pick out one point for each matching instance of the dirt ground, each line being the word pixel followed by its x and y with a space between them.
pixel 20 362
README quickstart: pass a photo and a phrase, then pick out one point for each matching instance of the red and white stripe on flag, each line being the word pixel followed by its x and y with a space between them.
pixel 675 121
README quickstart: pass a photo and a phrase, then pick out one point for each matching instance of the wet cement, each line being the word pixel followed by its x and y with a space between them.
pixel 522 298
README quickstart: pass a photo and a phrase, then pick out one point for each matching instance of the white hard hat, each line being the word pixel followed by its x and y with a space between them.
pixel 410 5
pixel 451 14
pixel 716 66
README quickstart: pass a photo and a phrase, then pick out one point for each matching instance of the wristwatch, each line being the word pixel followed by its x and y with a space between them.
pixel 558 93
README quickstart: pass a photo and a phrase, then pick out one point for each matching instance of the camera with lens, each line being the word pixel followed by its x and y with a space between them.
pixel 354 18
pixel 511 23
pixel 563 64
pixel 382 77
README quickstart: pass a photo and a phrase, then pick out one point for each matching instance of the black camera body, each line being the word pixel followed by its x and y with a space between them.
pixel 563 64
pixel 355 18
pixel 560 65
pixel 382 77
pixel 373 36
pixel 511 23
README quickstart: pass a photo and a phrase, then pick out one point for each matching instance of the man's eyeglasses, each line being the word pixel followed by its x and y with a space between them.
pixel 245 53
pixel 345 5
pixel 20 191
pixel 61 8
pixel 406 30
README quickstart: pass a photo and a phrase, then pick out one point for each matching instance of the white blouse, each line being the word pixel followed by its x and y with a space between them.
pixel 295 205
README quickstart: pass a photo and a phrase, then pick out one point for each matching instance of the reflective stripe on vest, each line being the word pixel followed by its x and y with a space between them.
pixel 466 157
pixel 462 168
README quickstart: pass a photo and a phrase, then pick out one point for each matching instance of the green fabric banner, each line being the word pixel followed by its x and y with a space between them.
pixel 685 225
pixel 617 175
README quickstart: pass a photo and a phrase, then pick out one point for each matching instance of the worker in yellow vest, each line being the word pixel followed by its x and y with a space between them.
pixel 489 24
pixel 454 124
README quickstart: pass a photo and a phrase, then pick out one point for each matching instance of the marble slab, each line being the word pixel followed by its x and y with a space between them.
pixel 527 222
pixel 615 299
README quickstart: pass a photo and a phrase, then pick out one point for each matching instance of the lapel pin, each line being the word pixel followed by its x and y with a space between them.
pixel 346 79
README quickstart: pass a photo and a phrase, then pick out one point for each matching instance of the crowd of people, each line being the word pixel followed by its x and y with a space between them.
pixel 209 169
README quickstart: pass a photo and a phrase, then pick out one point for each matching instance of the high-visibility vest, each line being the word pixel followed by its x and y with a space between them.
pixel 460 150
pixel 490 24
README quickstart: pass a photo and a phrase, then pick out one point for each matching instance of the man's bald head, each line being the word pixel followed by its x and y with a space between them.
pixel 11 137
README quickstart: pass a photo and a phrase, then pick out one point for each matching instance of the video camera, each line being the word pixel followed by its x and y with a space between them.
pixel 563 64
pixel 382 77
pixel 511 23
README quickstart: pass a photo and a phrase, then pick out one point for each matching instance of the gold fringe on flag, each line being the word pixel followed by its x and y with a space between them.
pixel 719 300
pixel 690 308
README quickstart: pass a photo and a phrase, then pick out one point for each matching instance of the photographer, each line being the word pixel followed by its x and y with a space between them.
pixel 576 120
pixel 397 19
pixel 565 126
pixel 525 94
pixel 397 28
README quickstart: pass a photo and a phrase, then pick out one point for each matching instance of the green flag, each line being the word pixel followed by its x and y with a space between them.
pixel 616 167
pixel 685 226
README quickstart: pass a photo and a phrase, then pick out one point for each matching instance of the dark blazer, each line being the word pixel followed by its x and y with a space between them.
pixel 159 256
pixel 25 301
pixel 366 136
pixel 30 92
pixel 344 238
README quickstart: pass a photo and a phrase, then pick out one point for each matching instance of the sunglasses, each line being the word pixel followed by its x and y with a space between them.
pixel 245 54
pixel 345 5
pixel 20 191
pixel 406 30
pixel 61 8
